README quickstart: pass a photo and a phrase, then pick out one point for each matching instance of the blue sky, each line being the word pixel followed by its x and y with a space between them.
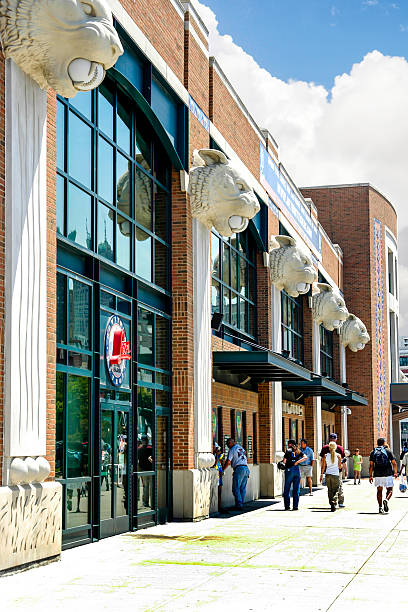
pixel 313 40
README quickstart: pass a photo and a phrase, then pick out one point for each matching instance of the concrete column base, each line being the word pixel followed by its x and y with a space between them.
pixel 271 480
pixel 30 523
pixel 194 492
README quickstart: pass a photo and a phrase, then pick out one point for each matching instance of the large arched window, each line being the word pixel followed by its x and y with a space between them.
pixel 113 183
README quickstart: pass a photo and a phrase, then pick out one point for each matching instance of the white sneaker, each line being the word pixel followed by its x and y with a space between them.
pixel 386 508
pixel 380 510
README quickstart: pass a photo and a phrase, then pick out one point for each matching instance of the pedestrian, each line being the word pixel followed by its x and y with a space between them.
pixel 238 461
pixel 292 458
pixel 331 466
pixel 306 468
pixel 219 464
pixel 340 449
pixel 404 464
pixel 384 467
pixel 357 462
pixel 404 450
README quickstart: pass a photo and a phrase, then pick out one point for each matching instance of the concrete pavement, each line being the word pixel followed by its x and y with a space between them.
pixel 353 559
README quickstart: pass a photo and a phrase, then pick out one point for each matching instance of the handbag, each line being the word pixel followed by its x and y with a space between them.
pixel 281 465
pixel 403 485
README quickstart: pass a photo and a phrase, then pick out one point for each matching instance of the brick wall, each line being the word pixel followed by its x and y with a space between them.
pixel 196 73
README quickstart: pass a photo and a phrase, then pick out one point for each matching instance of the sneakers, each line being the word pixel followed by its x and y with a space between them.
pixel 386 508
pixel 355 482
pixel 380 510
pixel 310 494
pixel 359 482
pixel 332 507
pixel 342 506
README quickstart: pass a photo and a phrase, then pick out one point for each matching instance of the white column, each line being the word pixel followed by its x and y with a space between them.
pixel 343 379
pixel 316 369
pixel 277 387
pixel 202 345
pixel 25 341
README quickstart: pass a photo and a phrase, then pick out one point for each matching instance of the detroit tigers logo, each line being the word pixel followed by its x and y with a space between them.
pixel 117 350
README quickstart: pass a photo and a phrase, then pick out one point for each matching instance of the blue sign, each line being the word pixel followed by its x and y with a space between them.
pixel 198 113
pixel 287 200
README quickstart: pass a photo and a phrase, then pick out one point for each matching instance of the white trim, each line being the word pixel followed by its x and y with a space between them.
pixel 214 64
pixel 188 26
pixel 178 6
pixel 147 48
pixel 328 278
pixel 190 8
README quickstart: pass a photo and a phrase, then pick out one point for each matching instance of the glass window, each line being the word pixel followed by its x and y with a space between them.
pixel 105 231
pixel 83 103
pixel 143 199
pixel 79 331
pixel 77 426
pixel 123 236
pixel 59 426
pixel 326 352
pixel 145 325
pixel 161 216
pixel 79 221
pixel 80 159
pixel 165 108
pixel 162 343
pixel 105 170
pixel 61 309
pixel 161 275
pixel 60 136
pixel 60 205
pixel 123 127
pixel 292 326
pixel 105 110
pixel 143 255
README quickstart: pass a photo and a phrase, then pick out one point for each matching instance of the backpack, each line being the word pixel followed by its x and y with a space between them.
pixel 380 457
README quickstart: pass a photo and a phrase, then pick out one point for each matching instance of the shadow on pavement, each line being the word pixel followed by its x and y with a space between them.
pixel 258 504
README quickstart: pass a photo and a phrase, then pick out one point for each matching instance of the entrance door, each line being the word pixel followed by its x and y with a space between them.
pixel 114 481
pixel 163 464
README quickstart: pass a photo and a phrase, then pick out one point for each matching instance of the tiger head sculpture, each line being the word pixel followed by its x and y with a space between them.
pixel 291 267
pixel 353 333
pixel 63 44
pixel 328 307
pixel 219 195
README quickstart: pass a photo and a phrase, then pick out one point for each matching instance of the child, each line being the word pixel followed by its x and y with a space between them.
pixel 219 464
pixel 357 461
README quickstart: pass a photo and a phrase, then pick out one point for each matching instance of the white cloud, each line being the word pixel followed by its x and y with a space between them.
pixel 356 132
pixel 369 2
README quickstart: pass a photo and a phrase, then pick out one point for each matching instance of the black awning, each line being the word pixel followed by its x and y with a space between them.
pixel 235 367
pixel 399 394
pixel 318 386
pixel 350 399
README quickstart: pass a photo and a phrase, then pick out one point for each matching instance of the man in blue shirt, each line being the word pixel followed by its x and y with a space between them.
pixel 238 461
pixel 306 468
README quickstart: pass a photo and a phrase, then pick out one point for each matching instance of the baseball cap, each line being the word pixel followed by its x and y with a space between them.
pixel 333 436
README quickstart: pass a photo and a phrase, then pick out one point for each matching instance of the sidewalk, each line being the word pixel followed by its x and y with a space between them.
pixel 353 559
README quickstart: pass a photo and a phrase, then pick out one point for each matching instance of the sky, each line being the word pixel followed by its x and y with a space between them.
pixel 329 80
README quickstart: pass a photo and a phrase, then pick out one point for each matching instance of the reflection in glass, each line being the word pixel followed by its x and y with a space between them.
pixel 143 145
pixel 107 469
pixel 79 221
pixel 143 255
pixel 234 309
pixel 61 309
pixel 162 398
pixel 145 499
pixel 145 375
pixel 162 454
pixel 225 264
pixel 160 264
pixel 79 360
pixel 251 283
pixel 60 135
pixel 105 231
pixel 162 343
pixel 59 426
pixel 107 299
pixel 105 170
pixel 226 295
pixel 105 110
pixel 79 150
pixel 60 204
pixel 242 276
pixel 161 224
pixel 121 463
pixel 124 306
pixel 77 426
pixel 215 255
pixel 123 185
pixel 145 337
pixel 215 296
pixel 77 504
pixel 163 379
pixel 234 270
pixel 123 233
pixel 143 199
pixel 242 314
pixel 251 320
pixel 78 326
pixel 123 123
pixel 83 103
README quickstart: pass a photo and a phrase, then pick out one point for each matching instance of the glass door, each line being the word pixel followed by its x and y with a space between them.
pixel 114 481
pixel 163 464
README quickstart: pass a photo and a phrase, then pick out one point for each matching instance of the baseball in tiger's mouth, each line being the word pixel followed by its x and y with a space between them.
pixel 238 223
pixel 85 75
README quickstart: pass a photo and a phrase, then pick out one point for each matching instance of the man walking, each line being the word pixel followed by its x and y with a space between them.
pixel 238 461
pixel 306 468
pixel 384 467
pixel 340 450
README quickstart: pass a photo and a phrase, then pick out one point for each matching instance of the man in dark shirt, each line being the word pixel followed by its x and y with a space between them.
pixel 384 468
pixel 292 458
pixel 340 450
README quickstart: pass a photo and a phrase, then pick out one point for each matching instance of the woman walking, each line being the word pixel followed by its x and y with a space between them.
pixel 331 464
pixel 292 458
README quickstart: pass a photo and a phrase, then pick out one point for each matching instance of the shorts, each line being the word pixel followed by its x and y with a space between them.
pixel 357 468
pixel 306 471
pixel 384 481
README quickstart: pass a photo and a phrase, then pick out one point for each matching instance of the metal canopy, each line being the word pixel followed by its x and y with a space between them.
pixel 399 394
pixel 260 366
pixel 318 386
pixel 350 399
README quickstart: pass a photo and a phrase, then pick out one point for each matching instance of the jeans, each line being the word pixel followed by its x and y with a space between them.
pixel 239 484
pixel 333 484
pixel 292 477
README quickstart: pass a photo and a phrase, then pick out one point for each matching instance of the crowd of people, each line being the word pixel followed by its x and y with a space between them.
pixel 298 462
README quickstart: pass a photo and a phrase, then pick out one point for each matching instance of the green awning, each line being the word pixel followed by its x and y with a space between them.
pixel 318 386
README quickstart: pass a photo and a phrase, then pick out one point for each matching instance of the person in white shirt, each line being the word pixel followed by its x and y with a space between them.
pixel 238 461
pixel 331 464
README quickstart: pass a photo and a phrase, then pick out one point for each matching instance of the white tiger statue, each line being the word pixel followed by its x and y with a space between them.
pixel 63 44
pixel 219 195
pixel 328 307
pixel 353 333
pixel 143 201
pixel 291 267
